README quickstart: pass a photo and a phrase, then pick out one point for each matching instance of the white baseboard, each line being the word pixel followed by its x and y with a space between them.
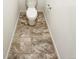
pixel 12 35
pixel 51 36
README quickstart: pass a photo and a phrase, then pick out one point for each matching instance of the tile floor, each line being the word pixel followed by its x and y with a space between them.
pixel 32 42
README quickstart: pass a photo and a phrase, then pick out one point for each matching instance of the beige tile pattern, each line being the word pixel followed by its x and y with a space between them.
pixel 32 42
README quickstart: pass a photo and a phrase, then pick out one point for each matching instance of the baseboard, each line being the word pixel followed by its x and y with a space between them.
pixel 12 35
pixel 51 36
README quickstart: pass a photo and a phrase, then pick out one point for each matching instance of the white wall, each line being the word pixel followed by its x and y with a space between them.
pixel 22 5
pixel 61 20
pixel 39 7
pixel 10 18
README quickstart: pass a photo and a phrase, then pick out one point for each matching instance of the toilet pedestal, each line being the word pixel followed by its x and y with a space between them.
pixel 31 14
pixel 31 22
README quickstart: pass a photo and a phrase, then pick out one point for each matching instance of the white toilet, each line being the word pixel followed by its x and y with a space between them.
pixel 31 11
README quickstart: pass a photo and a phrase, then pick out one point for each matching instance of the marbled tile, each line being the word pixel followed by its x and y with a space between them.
pixel 39 39
pixel 43 47
pixel 27 56
pixel 32 42
pixel 51 56
pixel 32 56
pixel 23 45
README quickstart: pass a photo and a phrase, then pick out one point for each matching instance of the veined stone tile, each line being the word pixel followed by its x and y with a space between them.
pixel 24 22
pixel 30 56
pixel 24 56
pixel 51 56
pixel 23 45
pixel 39 39
pixel 12 56
pixel 38 56
pixel 24 35
pixel 39 35
pixel 32 42
pixel 26 45
pixel 43 48
pixel 46 35
pixel 37 30
pixel 45 30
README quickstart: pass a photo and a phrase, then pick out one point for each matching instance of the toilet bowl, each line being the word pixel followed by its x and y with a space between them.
pixel 31 11
pixel 31 14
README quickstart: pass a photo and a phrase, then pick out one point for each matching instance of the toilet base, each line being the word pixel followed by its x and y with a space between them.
pixel 31 22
